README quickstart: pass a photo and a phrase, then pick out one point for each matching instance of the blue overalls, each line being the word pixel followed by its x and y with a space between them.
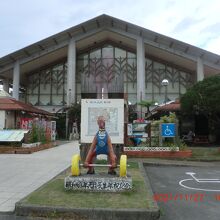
pixel 102 142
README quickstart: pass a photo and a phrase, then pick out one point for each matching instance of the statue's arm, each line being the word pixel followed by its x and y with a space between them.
pixel 111 152
pixel 91 149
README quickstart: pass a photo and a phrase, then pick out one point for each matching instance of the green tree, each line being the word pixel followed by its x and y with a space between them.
pixel 74 114
pixel 132 115
pixel 204 98
pixel 147 105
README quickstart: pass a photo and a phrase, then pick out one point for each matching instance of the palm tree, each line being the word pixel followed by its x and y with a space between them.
pixel 147 104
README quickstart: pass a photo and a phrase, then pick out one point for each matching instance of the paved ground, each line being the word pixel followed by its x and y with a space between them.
pixel 21 174
pixel 180 202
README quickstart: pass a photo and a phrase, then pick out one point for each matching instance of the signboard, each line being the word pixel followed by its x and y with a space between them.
pixel 129 129
pixel 53 130
pixel 113 112
pixel 168 130
pixel 26 123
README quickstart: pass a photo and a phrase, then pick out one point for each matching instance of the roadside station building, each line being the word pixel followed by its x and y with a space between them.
pixel 107 56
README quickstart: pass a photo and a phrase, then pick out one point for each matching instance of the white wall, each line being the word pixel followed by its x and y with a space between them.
pixel 10 120
pixel 2 119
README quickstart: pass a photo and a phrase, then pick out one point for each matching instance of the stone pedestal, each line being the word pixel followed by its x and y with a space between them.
pixel 98 183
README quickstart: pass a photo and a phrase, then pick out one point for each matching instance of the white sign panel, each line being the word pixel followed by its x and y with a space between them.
pixel 113 112
pixel 53 130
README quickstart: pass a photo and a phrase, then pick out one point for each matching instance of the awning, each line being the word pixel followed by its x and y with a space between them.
pixel 12 135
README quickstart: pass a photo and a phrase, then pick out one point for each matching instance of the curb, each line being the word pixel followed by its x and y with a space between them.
pixel 155 208
pixel 178 164
pixel 84 213
pixel 161 162
pixel 151 213
pixel 6 213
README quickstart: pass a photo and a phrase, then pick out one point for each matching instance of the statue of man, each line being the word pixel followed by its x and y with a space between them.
pixel 101 144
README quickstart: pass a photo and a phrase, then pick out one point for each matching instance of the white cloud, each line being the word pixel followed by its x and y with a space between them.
pixel 213 45
pixel 190 21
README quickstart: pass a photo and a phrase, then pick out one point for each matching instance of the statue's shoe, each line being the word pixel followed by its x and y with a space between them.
pixel 91 171
pixel 112 172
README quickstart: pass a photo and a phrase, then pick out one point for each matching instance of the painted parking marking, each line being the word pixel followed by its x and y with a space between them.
pixel 202 180
pixel 211 188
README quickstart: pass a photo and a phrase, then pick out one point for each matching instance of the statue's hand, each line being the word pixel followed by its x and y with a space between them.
pixel 114 165
pixel 86 164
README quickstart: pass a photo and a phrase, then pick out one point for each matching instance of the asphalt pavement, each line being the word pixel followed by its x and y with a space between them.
pixel 186 192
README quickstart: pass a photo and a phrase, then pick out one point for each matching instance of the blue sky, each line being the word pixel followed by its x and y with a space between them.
pixel 24 22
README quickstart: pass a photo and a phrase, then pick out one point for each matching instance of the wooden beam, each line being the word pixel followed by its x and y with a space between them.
pixel 27 53
pixel 171 44
pixel 141 33
pixel 186 50
pixel 83 29
pixel 41 47
pixel 55 41
pixel 69 35
pixel 217 62
pixel 112 23
pixel 126 28
pixel 202 55
pixel 97 23
pixel 12 58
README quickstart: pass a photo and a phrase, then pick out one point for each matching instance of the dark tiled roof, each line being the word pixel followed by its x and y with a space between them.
pixel 171 107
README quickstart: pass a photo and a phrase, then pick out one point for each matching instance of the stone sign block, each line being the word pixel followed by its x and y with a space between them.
pixel 98 183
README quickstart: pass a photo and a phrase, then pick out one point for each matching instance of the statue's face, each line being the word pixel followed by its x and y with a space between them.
pixel 101 123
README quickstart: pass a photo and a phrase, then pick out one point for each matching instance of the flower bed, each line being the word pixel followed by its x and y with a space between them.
pixel 156 152
pixel 151 149
pixel 26 150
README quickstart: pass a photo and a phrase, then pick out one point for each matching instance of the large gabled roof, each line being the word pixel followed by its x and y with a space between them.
pixel 104 21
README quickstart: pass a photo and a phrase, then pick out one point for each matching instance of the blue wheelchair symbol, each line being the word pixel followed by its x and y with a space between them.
pixel 168 130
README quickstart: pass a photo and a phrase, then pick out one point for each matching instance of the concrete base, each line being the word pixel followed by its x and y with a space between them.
pixel 98 183
pixel 85 213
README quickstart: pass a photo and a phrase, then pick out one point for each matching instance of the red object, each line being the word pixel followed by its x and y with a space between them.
pixel 140 120
pixel 26 123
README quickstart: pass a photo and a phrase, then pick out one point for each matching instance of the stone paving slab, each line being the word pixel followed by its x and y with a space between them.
pixel 22 174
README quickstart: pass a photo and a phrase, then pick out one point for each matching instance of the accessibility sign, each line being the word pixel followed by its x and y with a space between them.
pixel 168 130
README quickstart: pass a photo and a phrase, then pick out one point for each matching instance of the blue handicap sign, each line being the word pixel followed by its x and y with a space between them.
pixel 168 130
